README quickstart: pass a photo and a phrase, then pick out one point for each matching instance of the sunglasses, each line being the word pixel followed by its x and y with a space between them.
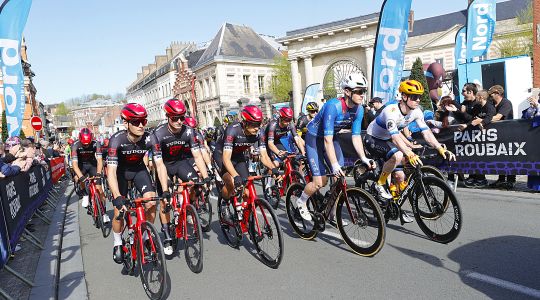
pixel 414 97
pixel 253 125
pixel 359 91
pixel 176 118
pixel 138 122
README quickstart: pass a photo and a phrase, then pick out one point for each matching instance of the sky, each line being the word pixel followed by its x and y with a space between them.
pixel 99 46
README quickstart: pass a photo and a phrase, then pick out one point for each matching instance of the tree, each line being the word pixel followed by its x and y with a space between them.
pixel 417 73
pixel 217 123
pixel 520 43
pixel 61 109
pixel 5 133
pixel 281 79
pixel 22 136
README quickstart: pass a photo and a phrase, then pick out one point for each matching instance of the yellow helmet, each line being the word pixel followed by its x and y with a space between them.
pixel 411 87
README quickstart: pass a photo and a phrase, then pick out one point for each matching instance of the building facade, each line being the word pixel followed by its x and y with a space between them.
pixel 100 116
pixel 327 52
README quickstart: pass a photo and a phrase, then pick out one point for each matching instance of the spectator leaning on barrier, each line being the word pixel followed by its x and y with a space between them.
pixel 504 111
pixel 375 108
pixel 533 110
pixel 464 113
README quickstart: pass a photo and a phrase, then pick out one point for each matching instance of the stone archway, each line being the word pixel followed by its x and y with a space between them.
pixel 335 73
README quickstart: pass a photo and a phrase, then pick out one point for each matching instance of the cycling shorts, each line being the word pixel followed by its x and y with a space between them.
pixel 182 169
pixel 378 148
pixel 140 177
pixel 316 154
pixel 241 166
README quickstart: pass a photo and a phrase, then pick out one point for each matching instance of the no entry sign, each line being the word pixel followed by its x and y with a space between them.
pixel 36 123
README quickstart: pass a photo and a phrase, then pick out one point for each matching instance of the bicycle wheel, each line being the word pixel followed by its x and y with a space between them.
pixel 227 223
pixel 432 171
pixel 153 270
pixel 305 229
pixel 271 192
pixel 297 177
pixel 266 234
pixel 98 220
pixel 366 234
pixel 437 200
pixel 129 260
pixel 193 240
pixel 102 210
pixel 204 209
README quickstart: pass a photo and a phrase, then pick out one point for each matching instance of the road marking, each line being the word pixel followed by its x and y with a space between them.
pixel 504 284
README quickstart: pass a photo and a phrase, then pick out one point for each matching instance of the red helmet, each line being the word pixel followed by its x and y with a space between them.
pixel 252 114
pixel 191 122
pixel 70 141
pixel 174 107
pixel 85 136
pixel 286 114
pixel 133 111
pixel 105 143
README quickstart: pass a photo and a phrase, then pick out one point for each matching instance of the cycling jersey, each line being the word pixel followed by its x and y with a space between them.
pixel 125 154
pixel 173 147
pixel 391 120
pixel 334 116
pixel 86 155
pixel 274 132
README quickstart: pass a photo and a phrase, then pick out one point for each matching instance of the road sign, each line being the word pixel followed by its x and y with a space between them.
pixel 36 122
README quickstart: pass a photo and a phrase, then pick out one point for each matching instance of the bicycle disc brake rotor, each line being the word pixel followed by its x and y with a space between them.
pixel 320 223
pixel 392 211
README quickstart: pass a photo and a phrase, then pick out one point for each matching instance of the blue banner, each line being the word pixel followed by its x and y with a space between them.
pixel 389 51
pixel 312 95
pixel 13 15
pixel 481 18
pixel 460 52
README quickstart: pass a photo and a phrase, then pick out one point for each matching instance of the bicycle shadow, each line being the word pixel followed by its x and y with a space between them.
pixel 404 230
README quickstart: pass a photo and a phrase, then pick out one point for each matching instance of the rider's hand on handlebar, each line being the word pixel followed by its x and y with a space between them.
pixel 166 196
pixel 120 203
pixel 414 159
pixel 370 163
pixel 83 178
pixel 238 182
pixel 448 155
pixel 337 171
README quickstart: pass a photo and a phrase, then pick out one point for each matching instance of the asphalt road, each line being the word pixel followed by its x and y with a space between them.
pixel 497 255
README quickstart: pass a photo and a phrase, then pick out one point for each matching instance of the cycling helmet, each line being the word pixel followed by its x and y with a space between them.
pixel 105 143
pixel 210 133
pixel 354 81
pixel 286 114
pixel 70 141
pixel 411 87
pixel 85 136
pixel 133 111
pixel 252 114
pixel 312 106
pixel 191 122
pixel 227 119
pixel 174 107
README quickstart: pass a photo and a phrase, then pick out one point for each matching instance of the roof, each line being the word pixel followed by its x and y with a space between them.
pixel 505 10
pixel 237 41
pixel 193 57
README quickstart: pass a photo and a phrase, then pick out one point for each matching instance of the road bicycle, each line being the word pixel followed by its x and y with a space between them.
pixel 203 206
pixel 257 218
pixel 186 225
pixel 141 245
pixel 359 218
pixel 273 194
pixel 97 206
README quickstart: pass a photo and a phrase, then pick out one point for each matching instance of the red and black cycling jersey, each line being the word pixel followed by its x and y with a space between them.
pixel 274 132
pixel 199 138
pixel 124 153
pixel 236 140
pixel 86 155
pixel 173 147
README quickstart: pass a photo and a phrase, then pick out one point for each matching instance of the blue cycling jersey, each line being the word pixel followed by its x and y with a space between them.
pixel 334 116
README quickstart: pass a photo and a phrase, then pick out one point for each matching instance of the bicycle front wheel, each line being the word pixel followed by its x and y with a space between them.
pixel 153 270
pixel 305 229
pixel 361 223
pixel 266 234
pixel 193 240
pixel 436 200
pixel 204 209
pixel 102 211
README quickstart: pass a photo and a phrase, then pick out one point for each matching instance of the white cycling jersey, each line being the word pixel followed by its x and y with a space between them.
pixel 391 120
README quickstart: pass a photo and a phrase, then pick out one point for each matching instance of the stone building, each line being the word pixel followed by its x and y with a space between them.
pixel 100 116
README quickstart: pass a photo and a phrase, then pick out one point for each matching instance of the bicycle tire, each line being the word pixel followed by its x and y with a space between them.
pixel 98 221
pixel 267 232
pixel 368 214
pixel 155 259
pixel 225 212
pixel 305 229
pixel 430 183
pixel 129 260
pixel 204 210
pixel 194 233
pixel 101 207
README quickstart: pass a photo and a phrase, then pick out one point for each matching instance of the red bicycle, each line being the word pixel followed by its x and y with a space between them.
pixel 258 219
pixel 141 244
pixel 274 193
pixel 97 207
pixel 186 226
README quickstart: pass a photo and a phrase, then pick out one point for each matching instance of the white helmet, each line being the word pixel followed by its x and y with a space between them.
pixel 354 81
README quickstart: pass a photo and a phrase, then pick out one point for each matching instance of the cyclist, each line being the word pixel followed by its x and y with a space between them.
pixel 336 114
pixel 312 110
pixel 278 128
pixel 384 140
pixel 87 161
pixel 174 145
pixel 220 130
pixel 229 156
pixel 127 149
pixel 211 138
pixel 200 140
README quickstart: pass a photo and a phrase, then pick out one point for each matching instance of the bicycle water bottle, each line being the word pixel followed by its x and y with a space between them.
pixel 175 218
pixel 130 233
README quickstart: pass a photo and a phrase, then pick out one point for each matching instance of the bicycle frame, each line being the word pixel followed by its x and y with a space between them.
pixel 181 231
pixel 139 213
pixel 249 205
pixel 411 183
pixel 93 191
pixel 343 193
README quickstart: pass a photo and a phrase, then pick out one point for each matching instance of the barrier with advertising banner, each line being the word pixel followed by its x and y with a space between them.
pixel 57 168
pixel 21 195
pixel 505 147
pixel 3 239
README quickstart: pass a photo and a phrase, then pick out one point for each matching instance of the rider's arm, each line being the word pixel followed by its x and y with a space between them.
pixel 270 137
pixel 228 142
pixel 112 164
pixel 356 134
pixel 99 158
pixel 397 138
pixel 265 159
pixel 299 142
pixel 329 118
pixel 75 162
pixel 157 159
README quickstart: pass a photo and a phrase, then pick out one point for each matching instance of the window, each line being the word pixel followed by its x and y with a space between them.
pixel 214 92
pixel 440 61
pixel 261 84
pixel 246 84
pixel 208 89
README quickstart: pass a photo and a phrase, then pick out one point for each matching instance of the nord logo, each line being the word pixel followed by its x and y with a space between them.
pixel 388 61
pixel 10 60
pixel 482 26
